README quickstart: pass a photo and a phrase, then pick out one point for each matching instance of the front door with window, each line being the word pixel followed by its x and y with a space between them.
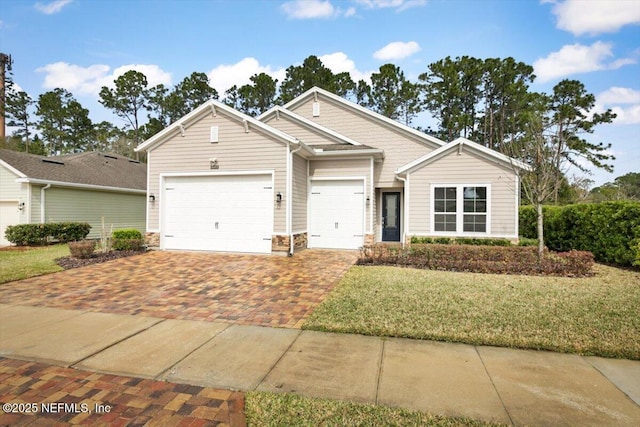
pixel 391 217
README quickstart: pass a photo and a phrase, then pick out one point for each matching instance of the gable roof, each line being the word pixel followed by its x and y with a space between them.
pixel 315 91
pixel 213 107
pixel 275 111
pixel 459 143
pixel 90 170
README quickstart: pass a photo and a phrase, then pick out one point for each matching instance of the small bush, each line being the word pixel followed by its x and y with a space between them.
pixel 127 233
pixel 481 259
pixel 40 234
pixel 82 249
pixel 128 239
pixel 525 241
pixel 128 244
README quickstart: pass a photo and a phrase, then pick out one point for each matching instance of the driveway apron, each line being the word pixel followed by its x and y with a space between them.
pixel 243 289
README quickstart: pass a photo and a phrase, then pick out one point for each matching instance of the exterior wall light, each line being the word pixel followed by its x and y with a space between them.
pixel 21 206
pixel 279 197
pixel 152 198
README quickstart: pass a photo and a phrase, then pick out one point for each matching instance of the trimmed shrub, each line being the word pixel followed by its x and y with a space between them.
pixel 481 259
pixel 82 249
pixel 460 241
pixel 524 241
pixel 127 239
pixel 610 230
pixel 40 234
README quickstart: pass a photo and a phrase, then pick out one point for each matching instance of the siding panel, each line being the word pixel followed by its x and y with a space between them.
pixel 303 133
pixel 299 194
pixel 399 148
pixel 119 210
pixel 11 190
pixel 467 168
pixel 236 150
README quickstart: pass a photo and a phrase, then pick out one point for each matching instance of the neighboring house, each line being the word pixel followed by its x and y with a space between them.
pixel 319 172
pixel 82 187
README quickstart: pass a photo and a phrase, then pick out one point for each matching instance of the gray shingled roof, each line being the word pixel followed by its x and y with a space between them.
pixel 91 168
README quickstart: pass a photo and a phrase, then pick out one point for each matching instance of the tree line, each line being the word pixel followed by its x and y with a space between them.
pixel 486 100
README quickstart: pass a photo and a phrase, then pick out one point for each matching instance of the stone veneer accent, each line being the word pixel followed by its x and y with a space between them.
pixel 152 239
pixel 300 240
pixel 280 243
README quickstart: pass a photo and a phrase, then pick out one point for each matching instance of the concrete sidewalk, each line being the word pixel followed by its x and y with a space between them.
pixel 517 387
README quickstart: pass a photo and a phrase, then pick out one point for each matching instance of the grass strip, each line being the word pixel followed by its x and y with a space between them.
pixel 265 409
pixel 18 264
pixel 590 316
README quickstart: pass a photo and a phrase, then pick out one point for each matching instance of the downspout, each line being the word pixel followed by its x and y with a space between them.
pixel 289 195
pixel 404 209
pixel 42 216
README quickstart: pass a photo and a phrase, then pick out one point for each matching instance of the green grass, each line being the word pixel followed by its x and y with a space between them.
pixel 590 316
pixel 274 410
pixel 20 264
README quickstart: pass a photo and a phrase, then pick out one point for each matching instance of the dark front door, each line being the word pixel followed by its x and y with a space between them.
pixel 391 217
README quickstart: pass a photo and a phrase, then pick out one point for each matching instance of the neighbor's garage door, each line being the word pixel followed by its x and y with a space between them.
pixel 336 214
pixel 231 213
pixel 9 215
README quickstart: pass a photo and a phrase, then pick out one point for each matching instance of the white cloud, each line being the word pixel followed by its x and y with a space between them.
pixel 575 59
pixel 595 16
pixel 619 95
pixel 349 12
pixel 626 115
pixel 339 62
pixel 397 50
pixel 399 5
pixel 53 7
pixel 618 99
pixel 226 75
pixel 308 9
pixel 89 80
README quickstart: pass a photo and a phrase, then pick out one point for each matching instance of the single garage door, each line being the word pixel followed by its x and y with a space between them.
pixel 336 214
pixel 230 213
pixel 9 215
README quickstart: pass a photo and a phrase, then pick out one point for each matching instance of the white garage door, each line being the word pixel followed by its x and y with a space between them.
pixel 336 218
pixel 9 215
pixel 231 213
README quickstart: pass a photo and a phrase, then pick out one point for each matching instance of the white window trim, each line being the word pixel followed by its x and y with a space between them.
pixel 459 210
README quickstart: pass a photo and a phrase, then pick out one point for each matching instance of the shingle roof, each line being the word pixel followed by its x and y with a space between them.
pixel 91 168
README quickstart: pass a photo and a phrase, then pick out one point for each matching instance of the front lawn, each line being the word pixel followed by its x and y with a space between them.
pixel 592 316
pixel 275 410
pixel 23 262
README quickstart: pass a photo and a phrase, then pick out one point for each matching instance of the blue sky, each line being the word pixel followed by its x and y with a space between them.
pixel 81 45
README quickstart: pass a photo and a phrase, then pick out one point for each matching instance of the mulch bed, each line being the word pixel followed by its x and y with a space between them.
pixel 69 262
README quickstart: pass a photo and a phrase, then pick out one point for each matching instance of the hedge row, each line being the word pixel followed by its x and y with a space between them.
pixel 481 259
pixel 40 234
pixel 610 230
pixel 460 241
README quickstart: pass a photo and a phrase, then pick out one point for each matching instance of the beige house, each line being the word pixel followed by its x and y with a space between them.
pixel 319 172
pixel 85 187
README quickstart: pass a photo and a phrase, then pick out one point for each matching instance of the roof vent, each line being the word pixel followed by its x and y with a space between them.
pixel 108 156
pixel 54 162
pixel 133 161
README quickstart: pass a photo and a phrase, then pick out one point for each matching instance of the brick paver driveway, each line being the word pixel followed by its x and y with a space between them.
pixel 246 289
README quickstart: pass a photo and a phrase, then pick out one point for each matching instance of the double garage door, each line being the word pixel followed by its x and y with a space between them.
pixel 230 213
pixel 336 214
